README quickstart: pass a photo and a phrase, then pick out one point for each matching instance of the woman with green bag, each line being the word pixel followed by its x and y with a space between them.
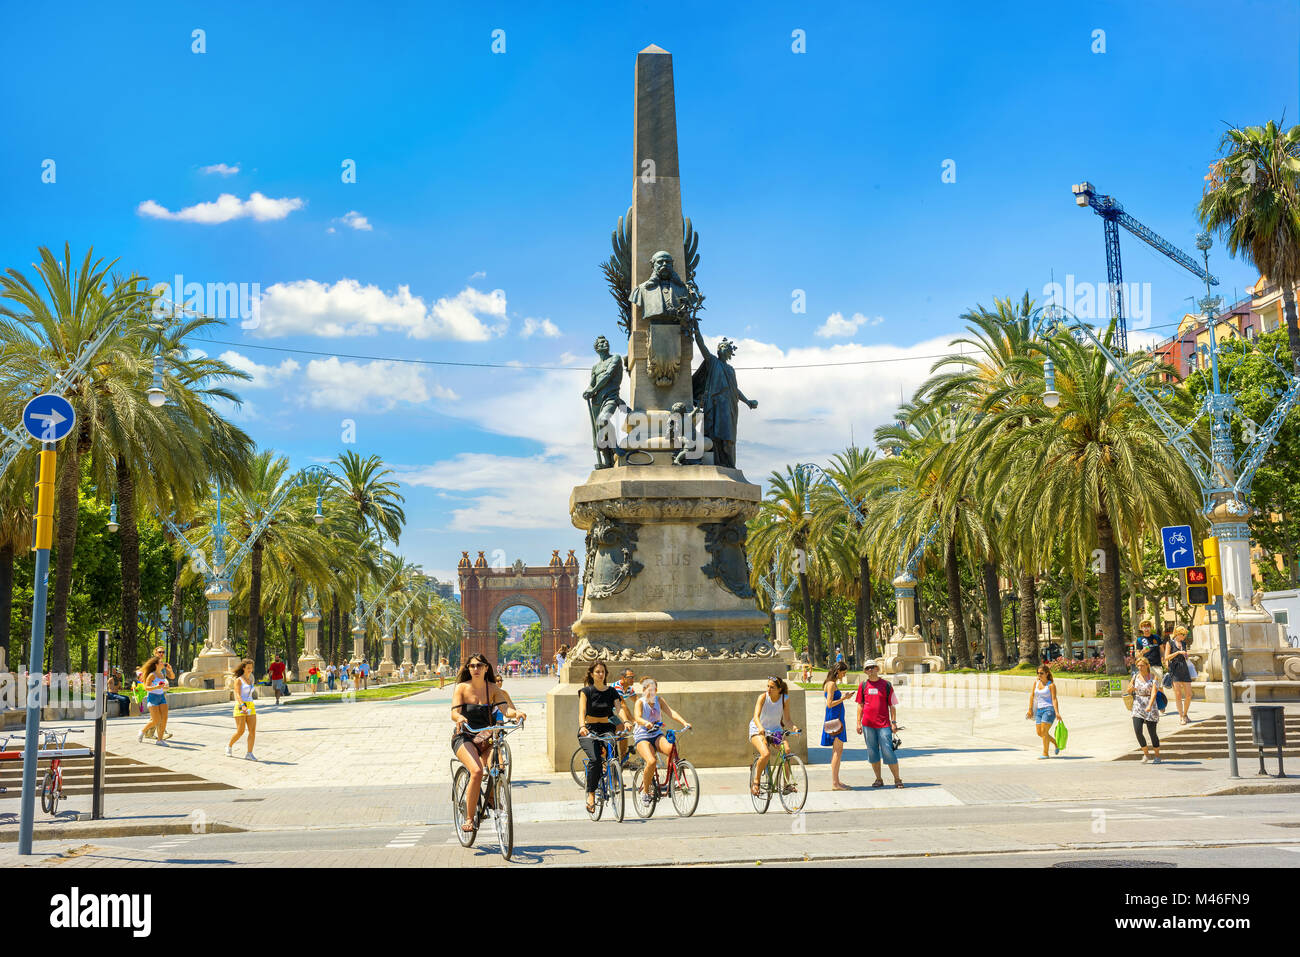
pixel 1043 707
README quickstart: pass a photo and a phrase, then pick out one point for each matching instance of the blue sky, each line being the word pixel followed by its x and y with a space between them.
pixel 487 183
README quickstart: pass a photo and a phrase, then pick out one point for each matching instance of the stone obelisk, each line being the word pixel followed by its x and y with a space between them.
pixel 665 584
pixel 656 225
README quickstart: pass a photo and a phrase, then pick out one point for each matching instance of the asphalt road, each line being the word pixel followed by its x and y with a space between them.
pixel 1253 830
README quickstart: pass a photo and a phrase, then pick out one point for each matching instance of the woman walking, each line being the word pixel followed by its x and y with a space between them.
pixel 559 660
pixel 245 709
pixel 649 733
pixel 834 733
pixel 771 713
pixel 442 672
pixel 1179 667
pixel 597 702
pixel 154 674
pixel 475 696
pixel 1043 707
pixel 1143 689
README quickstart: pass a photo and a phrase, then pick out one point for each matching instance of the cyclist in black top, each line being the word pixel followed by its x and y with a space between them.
pixel 597 702
pixel 472 701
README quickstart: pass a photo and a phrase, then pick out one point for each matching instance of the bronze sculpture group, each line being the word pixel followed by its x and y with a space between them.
pixel 670 305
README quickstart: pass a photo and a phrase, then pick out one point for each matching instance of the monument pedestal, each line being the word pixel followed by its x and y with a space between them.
pixel 906 651
pixel 666 593
pixel 310 657
pixel 1262 665
pixel 214 667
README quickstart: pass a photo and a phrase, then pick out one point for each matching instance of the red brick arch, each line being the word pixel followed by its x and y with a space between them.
pixel 550 590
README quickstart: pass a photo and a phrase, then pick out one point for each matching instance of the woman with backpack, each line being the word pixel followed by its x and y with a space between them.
pixel 1179 671
pixel 877 721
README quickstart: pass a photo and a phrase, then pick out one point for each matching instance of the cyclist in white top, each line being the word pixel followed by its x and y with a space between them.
pixel 245 709
pixel 771 713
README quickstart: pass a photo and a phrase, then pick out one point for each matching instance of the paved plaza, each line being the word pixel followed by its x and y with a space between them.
pixel 354 783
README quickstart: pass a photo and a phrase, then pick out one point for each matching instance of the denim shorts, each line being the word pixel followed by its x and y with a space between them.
pixel 880 745
pixel 1044 716
pixel 154 699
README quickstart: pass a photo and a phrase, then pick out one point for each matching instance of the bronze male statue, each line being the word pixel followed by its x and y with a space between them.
pixel 716 392
pixel 602 401
pixel 663 295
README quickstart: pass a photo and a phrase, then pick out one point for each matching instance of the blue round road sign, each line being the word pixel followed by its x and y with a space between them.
pixel 49 417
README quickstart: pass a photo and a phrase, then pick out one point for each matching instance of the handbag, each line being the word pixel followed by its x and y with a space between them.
pixel 1168 680
pixel 1191 669
pixel 833 727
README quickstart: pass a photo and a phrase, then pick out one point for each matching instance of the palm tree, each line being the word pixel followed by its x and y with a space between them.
pixel 374 500
pixel 15 535
pixel 1092 473
pixel 781 526
pixel 984 380
pixel 851 470
pixel 44 330
pixel 1252 199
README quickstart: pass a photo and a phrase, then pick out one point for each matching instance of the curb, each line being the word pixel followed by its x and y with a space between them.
pixel 73 832
pixel 1263 787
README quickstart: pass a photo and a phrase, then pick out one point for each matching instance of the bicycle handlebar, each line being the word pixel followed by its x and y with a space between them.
pixel 493 729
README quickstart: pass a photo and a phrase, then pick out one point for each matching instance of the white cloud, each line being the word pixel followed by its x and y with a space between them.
pixel 837 327
pixel 348 308
pixel 264 377
pixel 226 207
pixel 220 169
pixel 378 385
pixel 503 491
pixel 478 275
pixel 541 327
pixel 357 221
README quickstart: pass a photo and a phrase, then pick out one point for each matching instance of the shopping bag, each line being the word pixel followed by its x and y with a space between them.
pixel 1060 734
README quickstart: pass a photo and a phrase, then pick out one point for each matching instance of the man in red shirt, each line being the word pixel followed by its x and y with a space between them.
pixel 877 722
pixel 277 677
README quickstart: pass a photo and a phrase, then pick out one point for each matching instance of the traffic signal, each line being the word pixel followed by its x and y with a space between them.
pixel 1197 583
pixel 1210 548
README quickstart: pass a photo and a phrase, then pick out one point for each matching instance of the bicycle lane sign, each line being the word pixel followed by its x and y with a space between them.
pixel 1179 551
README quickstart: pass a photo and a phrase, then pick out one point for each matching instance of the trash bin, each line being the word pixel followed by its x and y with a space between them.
pixel 1268 726
pixel 1268 730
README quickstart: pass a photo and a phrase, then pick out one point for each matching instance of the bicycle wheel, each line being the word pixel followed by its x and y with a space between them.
pixel 617 796
pixel 507 765
pixel 48 797
pixel 794 784
pixel 503 817
pixel 459 785
pixel 764 796
pixel 684 786
pixel 643 804
pixel 578 767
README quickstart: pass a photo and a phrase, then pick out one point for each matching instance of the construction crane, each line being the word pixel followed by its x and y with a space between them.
pixel 1113 217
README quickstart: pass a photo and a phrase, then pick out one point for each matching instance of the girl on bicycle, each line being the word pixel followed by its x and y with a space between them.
pixel 245 709
pixel 475 696
pixel 771 713
pixel 597 702
pixel 649 733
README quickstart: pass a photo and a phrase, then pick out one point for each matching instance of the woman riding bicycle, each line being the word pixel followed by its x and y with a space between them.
pixel 771 714
pixel 649 734
pixel 475 696
pixel 597 702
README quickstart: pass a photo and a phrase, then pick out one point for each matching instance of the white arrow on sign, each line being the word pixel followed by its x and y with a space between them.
pixel 1173 556
pixel 51 418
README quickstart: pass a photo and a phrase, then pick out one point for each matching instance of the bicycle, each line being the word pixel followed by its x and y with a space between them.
pixel 493 796
pixel 785 775
pixel 578 765
pixel 52 784
pixel 610 789
pixel 681 782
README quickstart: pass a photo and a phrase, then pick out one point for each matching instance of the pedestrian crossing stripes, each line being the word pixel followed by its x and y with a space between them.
pixel 408 838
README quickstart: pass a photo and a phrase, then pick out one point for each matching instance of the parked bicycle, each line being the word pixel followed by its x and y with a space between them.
pixel 785 775
pixel 52 784
pixel 610 789
pixel 680 782
pixel 493 797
